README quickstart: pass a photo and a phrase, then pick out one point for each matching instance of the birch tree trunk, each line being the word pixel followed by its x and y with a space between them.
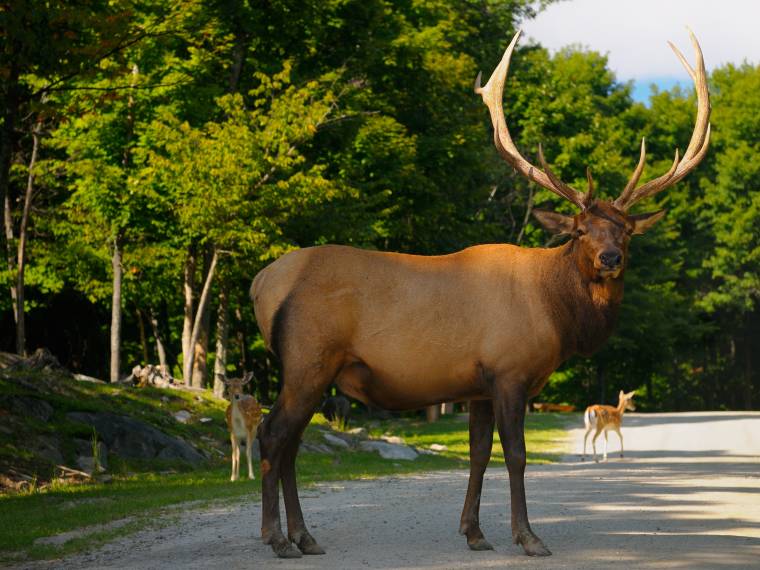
pixel 160 350
pixel 200 360
pixel 188 287
pixel 21 254
pixel 116 311
pixel 222 335
pixel 9 237
pixel 202 302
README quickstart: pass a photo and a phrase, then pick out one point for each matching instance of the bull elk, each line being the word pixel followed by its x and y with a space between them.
pixel 488 324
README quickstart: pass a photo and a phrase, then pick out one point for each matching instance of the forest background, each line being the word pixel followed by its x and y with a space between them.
pixel 155 155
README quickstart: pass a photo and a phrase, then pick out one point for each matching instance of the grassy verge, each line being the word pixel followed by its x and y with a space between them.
pixel 25 518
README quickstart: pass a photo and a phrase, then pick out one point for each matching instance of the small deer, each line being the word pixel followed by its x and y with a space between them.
pixel 606 418
pixel 243 417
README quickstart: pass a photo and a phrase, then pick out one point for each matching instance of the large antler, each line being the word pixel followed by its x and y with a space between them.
pixel 695 152
pixel 493 93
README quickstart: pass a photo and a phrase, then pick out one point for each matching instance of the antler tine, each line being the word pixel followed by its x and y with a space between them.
pixel 493 93
pixel 626 194
pixel 698 144
pixel 558 186
pixel 590 192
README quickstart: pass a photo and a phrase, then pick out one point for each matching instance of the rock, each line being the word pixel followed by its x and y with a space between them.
pixel 205 420
pixel 85 459
pixel 34 407
pixel 48 448
pixel 85 378
pixel 316 448
pixel 438 447
pixel 336 441
pixel 359 432
pixel 393 439
pixel 42 359
pixel 131 438
pixel 423 451
pixel 389 450
pixel 183 416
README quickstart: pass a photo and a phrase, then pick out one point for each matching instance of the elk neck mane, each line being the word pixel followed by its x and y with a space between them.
pixel 584 307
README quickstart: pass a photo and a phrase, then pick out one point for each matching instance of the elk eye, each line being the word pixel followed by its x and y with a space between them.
pixel 578 232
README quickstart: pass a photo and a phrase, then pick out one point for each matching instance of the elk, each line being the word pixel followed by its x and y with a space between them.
pixel 487 325
pixel 243 418
pixel 606 418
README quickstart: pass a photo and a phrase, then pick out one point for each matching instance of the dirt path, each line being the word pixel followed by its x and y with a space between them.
pixel 687 495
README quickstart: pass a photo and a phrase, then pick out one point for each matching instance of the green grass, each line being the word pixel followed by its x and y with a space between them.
pixel 138 491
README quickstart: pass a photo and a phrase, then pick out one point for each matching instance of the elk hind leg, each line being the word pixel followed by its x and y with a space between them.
pixel 301 392
pixel 481 441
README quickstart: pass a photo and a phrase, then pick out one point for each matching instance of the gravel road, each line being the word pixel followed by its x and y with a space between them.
pixel 687 495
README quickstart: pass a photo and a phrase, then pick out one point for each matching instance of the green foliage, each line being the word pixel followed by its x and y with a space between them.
pixel 194 126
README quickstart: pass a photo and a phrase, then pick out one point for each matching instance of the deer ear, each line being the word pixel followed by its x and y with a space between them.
pixel 554 222
pixel 247 377
pixel 642 222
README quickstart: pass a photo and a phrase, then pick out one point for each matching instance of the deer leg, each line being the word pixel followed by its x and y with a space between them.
pixel 593 442
pixel 249 453
pixel 509 409
pixel 481 441
pixel 605 445
pixel 234 443
pixel 620 435
pixel 585 437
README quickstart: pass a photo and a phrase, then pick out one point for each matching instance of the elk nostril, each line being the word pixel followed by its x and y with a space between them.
pixel 611 258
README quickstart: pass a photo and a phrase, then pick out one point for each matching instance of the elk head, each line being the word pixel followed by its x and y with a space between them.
pixel 602 229
pixel 235 386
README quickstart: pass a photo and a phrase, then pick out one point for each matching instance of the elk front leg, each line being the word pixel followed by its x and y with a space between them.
pixel 509 408
pixel 481 441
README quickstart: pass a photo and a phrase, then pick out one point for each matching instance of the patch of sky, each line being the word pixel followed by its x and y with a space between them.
pixel 642 87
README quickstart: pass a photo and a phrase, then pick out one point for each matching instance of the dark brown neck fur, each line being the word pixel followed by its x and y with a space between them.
pixel 584 307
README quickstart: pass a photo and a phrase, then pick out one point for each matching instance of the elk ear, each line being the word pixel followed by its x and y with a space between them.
pixel 642 222
pixel 554 222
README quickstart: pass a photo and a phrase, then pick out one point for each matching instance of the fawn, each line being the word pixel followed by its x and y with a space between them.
pixel 606 418
pixel 243 417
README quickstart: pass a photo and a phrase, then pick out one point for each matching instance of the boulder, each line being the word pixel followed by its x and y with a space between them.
pixel 389 450
pixel 336 441
pixel 183 416
pixel 85 458
pixel 25 406
pixel 133 439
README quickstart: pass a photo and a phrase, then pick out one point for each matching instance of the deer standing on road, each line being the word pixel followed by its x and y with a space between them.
pixel 488 324
pixel 606 418
pixel 243 417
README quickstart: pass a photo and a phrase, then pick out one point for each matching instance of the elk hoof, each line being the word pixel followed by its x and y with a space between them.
pixel 532 545
pixel 284 549
pixel 308 545
pixel 479 544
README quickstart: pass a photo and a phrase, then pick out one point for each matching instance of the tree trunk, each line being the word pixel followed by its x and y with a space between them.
pixel 241 339
pixel 8 224
pixel 116 311
pixel 11 103
pixel 21 254
pixel 433 413
pixel 200 359
pixel 222 332
pixel 160 350
pixel 189 291
pixel 601 379
pixel 188 363
pixel 143 336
